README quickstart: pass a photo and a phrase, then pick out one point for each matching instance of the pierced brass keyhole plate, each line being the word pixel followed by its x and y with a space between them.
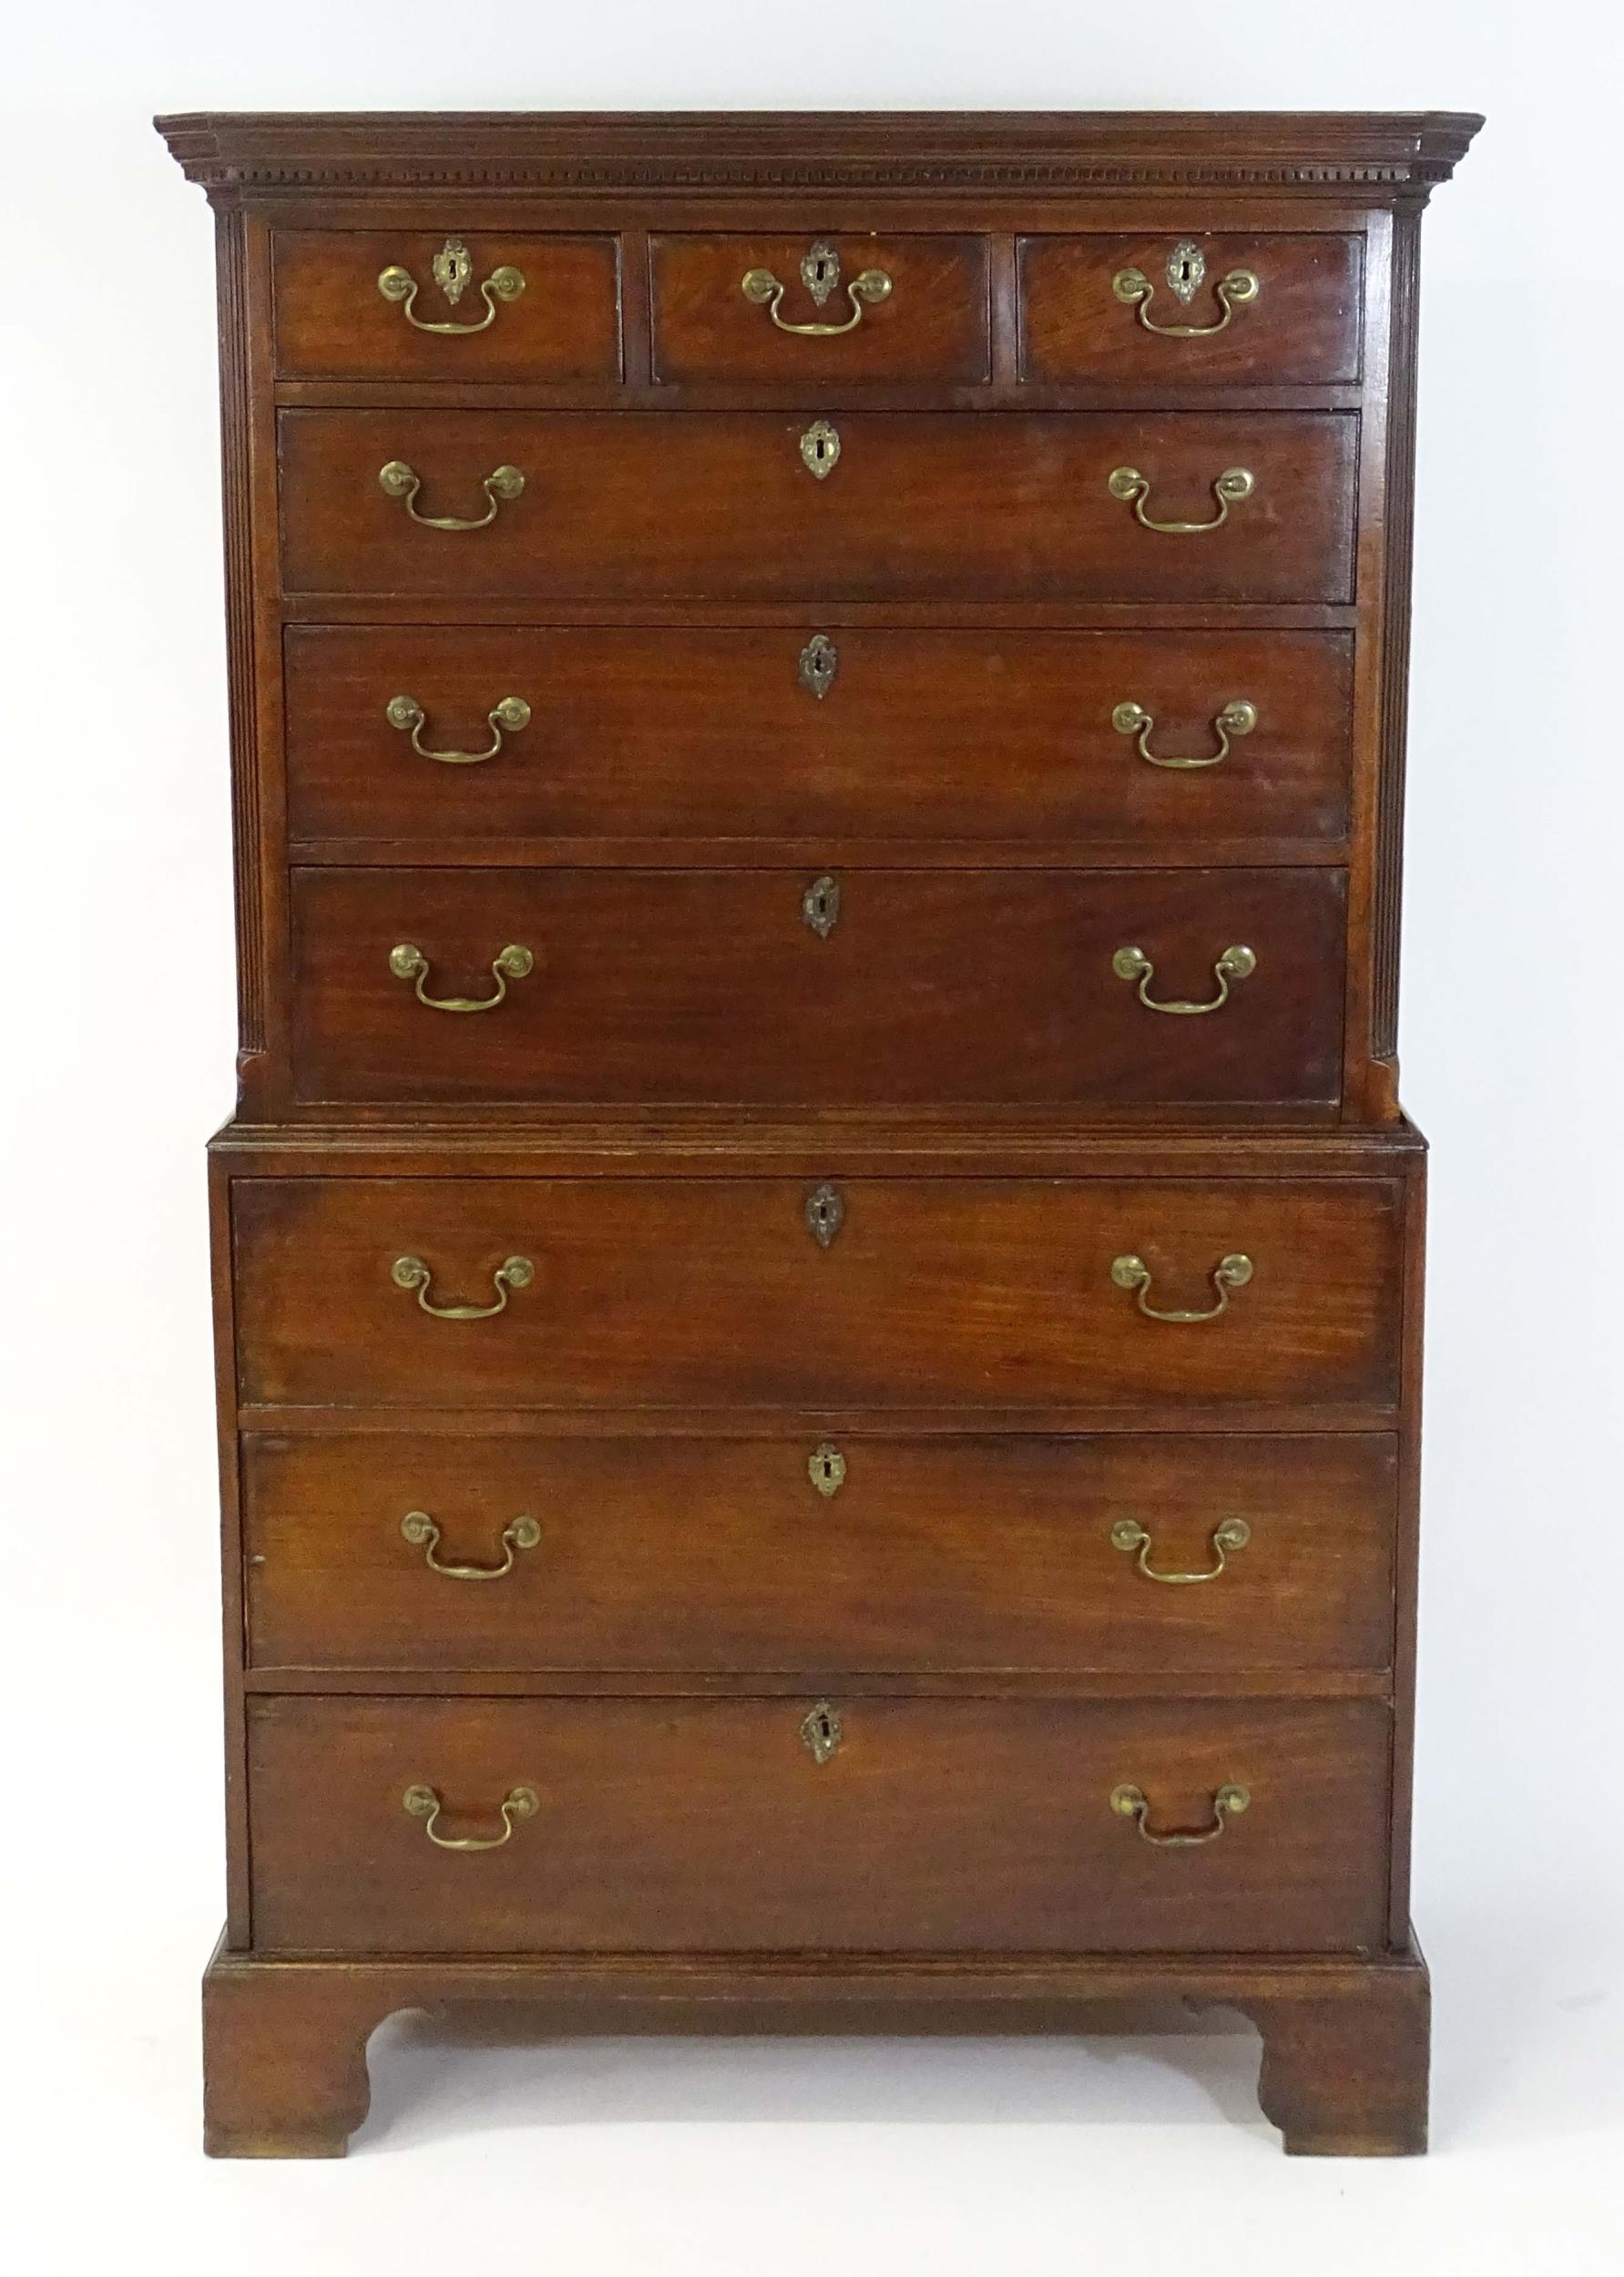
pixel 821 1730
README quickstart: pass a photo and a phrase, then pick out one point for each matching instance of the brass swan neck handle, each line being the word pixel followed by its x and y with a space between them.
pixel 452 269
pixel 1128 1535
pixel 1229 488
pixel 1227 1802
pixel 397 480
pixel 1229 1273
pixel 424 1803
pixel 820 274
pixel 1237 963
pixel 411 1273
pixel 418 1528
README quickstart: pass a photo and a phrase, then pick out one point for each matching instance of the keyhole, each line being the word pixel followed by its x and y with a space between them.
pixel 1186 270
pixel 821 268
pixel 825 1213
pixel 821 1730
pixel 826 1467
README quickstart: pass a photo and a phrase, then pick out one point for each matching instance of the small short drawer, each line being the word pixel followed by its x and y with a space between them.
pixel 1191 311
pixel 1107 1295
pixel 412 304
pixel 1182 742
pixel 846 506
pixel 797 312
pixel 801 987
pixel 1149 1555
pixel 831 1822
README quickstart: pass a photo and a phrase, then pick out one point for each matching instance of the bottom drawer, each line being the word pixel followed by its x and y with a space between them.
pixel 711 1825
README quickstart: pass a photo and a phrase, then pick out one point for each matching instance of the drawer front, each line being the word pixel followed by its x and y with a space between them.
pixel 907 308
pixel 866 1553
pixel 1176 740
pixel 981 1292
pixel 789 986
pixel 378 304
pixel 1191 311
pixel 637 506
pixel 673 1825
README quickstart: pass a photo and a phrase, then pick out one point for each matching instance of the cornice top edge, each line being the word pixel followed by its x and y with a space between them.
pixel 240 154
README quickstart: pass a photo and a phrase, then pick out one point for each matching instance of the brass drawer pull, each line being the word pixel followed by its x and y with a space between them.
pixel 506 717
pixel 397 480
pixel 1236 719
pixel 1237 963
pixel 1229 1273
pixel 1186 271
pixel 1129 1803
pixel 820 274
pixel 1128 1535
pixel 513 1273
pixel 820 448
pixel 423 1802
pixel 452 269
pixel 420 1530
pixel 1133 488
pixel 407 962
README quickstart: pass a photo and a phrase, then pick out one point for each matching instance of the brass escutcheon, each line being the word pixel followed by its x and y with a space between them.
pixel 817 665
pixel 826 1467
pixel 821 1730
pixel 820 906
pixel 820 448
pixel 826 1214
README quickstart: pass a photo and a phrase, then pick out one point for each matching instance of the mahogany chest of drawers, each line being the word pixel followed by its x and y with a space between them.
pixel 819 1270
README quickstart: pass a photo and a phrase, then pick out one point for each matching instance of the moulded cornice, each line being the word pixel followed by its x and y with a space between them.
pixel 246 154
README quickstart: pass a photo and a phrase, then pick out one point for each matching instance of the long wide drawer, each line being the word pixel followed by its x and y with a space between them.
pixel 1121 1554
pixel 638 506
pixel 763 1292
pixel 1178 740
pixel 673 1824
pixel 792 986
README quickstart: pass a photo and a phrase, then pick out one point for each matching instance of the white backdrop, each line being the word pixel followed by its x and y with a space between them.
pixel 119 1039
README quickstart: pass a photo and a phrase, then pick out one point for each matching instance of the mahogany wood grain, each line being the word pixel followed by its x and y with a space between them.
pixel 932 325
pixel 985 1293
pixel 1003 738
pixel 706 1826
pixel 935 984
pixel 1302 327
pixel 632 505
pixel 960 1553
pixel 332 320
